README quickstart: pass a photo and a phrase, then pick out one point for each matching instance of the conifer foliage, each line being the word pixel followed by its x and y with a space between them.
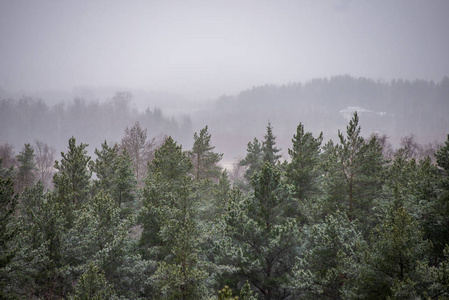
pixel 203 158
pixel 303 170
pixel 336 221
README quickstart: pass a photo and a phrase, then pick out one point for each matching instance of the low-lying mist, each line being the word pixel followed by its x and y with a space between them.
pixel 395 109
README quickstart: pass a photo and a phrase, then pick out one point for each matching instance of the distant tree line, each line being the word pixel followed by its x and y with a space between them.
pixel 146 219
pixel 27 119
pixel 397 108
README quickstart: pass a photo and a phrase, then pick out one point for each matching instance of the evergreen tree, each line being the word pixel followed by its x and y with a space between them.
pixel 253 160
pixel 260 234
pixel 27 167
pixel 246 293
pixel 8 232
pixel 302 172
pixel 221 192
pixel 115 174
pixel 102 237
pixel 440 209
pixel 328 264
pixel 170 162
pixel 269 148
pixel 93 286
pixel 415 187
pixel 73 178
pixel 353 173
pixel 96 226
pixel 171 234
pixel 42 257
pixel 390 263
pixel 434 282
pixel 203 158
pixel 104 166
pixel 124 181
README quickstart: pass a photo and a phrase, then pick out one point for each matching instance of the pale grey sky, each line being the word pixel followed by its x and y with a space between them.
pixel 207 48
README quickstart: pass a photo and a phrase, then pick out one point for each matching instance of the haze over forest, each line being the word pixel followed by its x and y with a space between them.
pixel 250 149
pixel 397 109
pixel 231 65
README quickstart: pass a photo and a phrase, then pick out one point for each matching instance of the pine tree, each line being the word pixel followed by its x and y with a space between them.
pixel 220 196
pixel 124 181
pixel 246 293
pixel 203 158
pixel 31 254
pixel 171 234
pixel 73 179
pixel 353 173
pixel 328 264
pixel 104 166
pixel 302 172
pixel 27 167
pixel 93 286
pixel 391 261
pixel 260 234
pixel 253 160
pixel 8 232
pixel 440 207
pixel 97 224
pixel 415 186
pixel 42 256
pixel 269 148
pixel 115 174
pixel 181 276
pixel 434 283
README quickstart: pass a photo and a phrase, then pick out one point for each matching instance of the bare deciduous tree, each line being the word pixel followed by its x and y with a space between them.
pixel 139 148
pixel 45 159
pixel 7 155
pixel 387 148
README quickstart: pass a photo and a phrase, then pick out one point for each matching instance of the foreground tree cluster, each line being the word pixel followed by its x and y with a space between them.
pixel 145 219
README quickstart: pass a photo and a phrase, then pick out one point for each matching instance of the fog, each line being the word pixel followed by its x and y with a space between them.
pixel 232 65
pixel 211 149
pixel 203 49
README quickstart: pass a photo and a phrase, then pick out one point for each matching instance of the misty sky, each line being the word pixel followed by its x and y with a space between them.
pixel 208 48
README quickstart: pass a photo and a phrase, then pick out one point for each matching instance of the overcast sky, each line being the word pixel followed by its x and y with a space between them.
pixel 208 48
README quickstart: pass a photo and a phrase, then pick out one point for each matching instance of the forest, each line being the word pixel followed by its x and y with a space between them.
pixel 145 218
pixel 397 108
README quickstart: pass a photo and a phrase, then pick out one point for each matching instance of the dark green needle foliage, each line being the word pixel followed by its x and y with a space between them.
pixel 269 149
pixel 171 233
pixel 72 181
pixel 93 286
pixel 8 233
pixel 303 171
pixel 328 264
pixel 115 174
pixel 260 234
pixel 353 173
pixel 204 160
pixel 338 221
pixel 104 166
pixel 27 167
pixel 253 159
pixel 258 153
